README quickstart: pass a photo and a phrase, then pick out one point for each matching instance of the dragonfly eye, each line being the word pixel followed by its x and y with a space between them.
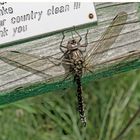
pixel 73 42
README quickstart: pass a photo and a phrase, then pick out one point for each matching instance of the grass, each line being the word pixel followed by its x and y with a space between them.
pixel 110 106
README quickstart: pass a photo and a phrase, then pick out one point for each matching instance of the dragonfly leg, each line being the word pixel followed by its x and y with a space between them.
pixel 67 77
pixel 61 44
pixel 78 34
pixel 72 35
pixel 86 42
pixel 59 61
pixel 53 60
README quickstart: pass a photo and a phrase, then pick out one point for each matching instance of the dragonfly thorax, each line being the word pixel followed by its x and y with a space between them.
pixel 77 67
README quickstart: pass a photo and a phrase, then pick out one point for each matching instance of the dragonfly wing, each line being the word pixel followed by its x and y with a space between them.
pixel 108 37
pixel 36 65
pixel 116 60
pixel 27 62
pixel 30 69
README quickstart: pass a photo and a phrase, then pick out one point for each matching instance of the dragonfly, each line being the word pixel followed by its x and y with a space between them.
pixel 75 58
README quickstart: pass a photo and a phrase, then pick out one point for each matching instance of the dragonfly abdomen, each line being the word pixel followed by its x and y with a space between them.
pixel 80 100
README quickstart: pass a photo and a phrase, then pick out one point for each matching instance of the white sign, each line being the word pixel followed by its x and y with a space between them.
pixel 24 20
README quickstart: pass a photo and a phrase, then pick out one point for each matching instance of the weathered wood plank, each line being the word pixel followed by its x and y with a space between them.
pixel 125 49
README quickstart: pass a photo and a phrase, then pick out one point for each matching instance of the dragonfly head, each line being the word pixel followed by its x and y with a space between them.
pixel 72 44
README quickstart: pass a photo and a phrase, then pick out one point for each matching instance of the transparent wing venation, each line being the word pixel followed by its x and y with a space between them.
pixel 108 37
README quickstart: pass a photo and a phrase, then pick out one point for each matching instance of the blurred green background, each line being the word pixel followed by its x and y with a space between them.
pixel 110 105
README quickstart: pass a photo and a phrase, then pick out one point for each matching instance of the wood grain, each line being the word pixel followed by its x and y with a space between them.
pixel 126 48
